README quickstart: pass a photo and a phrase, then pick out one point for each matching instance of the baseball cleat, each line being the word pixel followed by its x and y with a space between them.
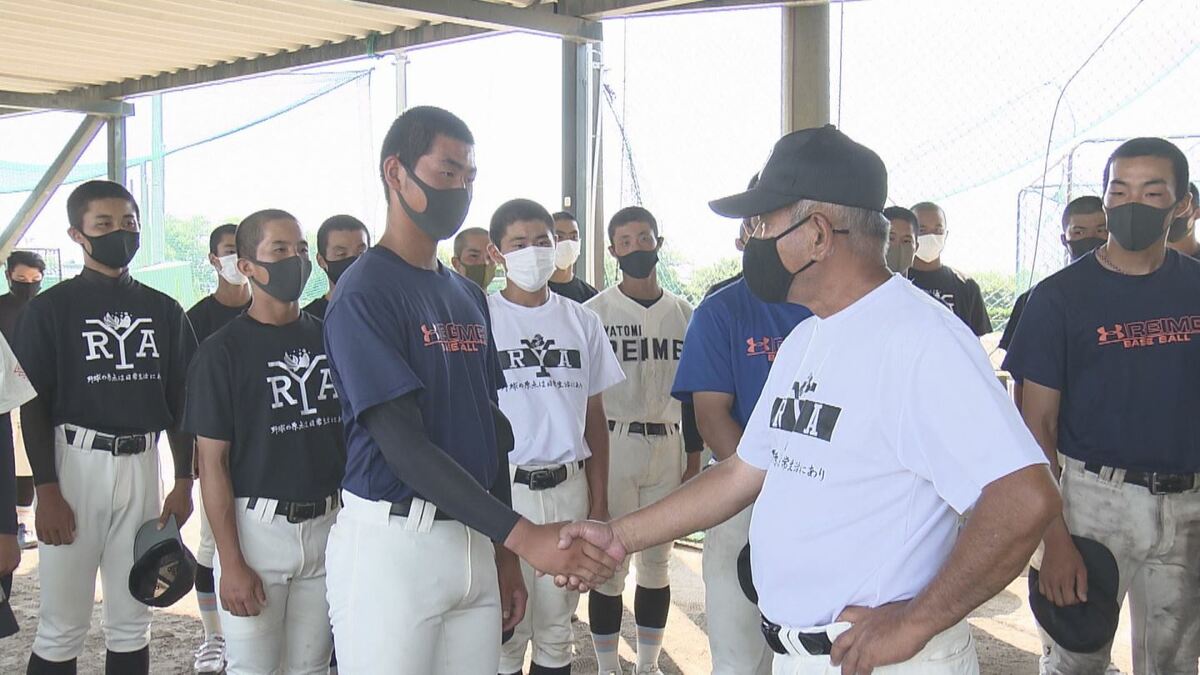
pixel 210 656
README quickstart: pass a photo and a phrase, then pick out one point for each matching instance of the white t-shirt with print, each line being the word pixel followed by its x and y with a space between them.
pixel 554 358
pixel 15 388
pixel 877 427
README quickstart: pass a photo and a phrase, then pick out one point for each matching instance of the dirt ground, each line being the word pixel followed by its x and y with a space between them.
pixel 1006 639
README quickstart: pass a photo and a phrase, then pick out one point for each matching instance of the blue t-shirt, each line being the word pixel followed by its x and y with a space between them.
pixel 1124 352
pixel 730 345
pixel 392 329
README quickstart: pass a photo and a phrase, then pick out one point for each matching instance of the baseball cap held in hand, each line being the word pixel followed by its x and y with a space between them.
pixel 1087 627
pixel 164 570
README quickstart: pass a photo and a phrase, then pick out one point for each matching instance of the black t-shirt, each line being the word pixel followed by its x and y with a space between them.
pixel 209 315
pixel 10 310
pixel 107 354
pixel 576 289
pixel 959 293
pixel 317 307
pixel 1010 329
pixel 722 284
pixel 269 392
pixel 1124 352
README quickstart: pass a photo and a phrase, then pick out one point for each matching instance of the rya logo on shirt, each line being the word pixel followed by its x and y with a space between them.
pixel 946 299
pixel 540 353
pixel 291 388
pixel 804 416
pixel 112 341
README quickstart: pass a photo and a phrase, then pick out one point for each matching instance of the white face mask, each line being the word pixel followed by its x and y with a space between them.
pixel 566 253
pixel 930 246
pixel 530 268
pixel 229 270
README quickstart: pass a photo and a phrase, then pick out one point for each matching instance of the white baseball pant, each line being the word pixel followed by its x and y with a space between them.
pixel 206 551
pixel 1155 539
pixel 641 471
pixel 735 637
pixel 548 612
pixel 951 652
pixel 411 596
pixel 111 496
pixel 292 633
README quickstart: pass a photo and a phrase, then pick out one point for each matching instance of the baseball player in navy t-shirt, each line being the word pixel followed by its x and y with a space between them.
pixel 422 576
pixel 1108 350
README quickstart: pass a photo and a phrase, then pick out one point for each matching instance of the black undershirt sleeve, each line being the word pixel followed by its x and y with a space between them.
pixel 8 485
pixel 183 444
pixel 37 429
pixel 502 487
pixel 692 441
pixel 399 431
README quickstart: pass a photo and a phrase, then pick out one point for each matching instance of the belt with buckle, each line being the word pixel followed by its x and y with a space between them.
pixel 401 508
pixel 643 428
pixel 298 512
pixel 544 479
pixel 131 444
pixel 1157 483
pixel 816 644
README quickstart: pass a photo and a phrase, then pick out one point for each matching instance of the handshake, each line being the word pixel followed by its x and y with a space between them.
pixel 580 555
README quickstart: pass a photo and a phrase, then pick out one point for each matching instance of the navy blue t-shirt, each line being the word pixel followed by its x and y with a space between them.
pixel 392 329
pixel 730 345
pixel 1124 352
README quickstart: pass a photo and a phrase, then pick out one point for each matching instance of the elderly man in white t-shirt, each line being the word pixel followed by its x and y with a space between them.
pixel 856 551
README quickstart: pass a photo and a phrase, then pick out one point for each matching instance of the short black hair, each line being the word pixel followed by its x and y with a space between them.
pixel 460 241
pixel 339 223
pixel 83 196
pixel 250 230
pixel 631 214
pixel 565 215
pixel 515 210
pixel 901 213
pixel 26 258
pixel 411 136
pixel 1082 206
pixel 1153 147
pixel 214 239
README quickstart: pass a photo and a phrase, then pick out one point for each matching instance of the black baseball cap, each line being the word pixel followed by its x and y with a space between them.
pixel 745 576
pixel 820 164
pixel 164 570
pixel 1087 627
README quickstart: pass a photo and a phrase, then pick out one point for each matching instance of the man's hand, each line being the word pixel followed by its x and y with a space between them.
pixel 540 545
pixel 242 592
pixel 177 503
pixel 1063 576
pixel 598 534
pixel 513 595
pixel 877 637
pixel 10 554
pixel 54 518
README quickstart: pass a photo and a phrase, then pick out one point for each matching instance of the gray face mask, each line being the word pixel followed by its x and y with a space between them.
pixel 900 257
pixel 445 210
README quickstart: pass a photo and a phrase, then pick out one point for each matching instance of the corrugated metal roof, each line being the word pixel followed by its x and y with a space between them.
pixel 55 46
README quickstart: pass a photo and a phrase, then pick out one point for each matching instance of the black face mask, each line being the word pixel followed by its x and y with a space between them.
pixel 1136 226
pixel 1082 247
pixel 638 264
pixel 445 210
pixel 115 249
pixel 288 277
pixel 766 275
pixel 24 290
pixel 335 269
pixel 1178 230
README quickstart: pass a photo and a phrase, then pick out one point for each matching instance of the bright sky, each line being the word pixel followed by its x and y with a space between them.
pixel 956 97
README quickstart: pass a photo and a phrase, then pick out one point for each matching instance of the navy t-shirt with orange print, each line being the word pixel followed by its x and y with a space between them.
pixel 393 329
pixel 1124 352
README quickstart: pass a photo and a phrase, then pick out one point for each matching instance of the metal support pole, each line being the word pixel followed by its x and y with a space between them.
pixel 805 66
pixel 580 152
pixel 55 174
pixel 154 233
pixel 116 149
pixel 401 66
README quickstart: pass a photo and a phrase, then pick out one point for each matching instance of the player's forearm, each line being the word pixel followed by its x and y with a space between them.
pixel 595 432
pixel 995 545
pixel 182 448
pixel 721 432
pixel 8 493
pixel 216 484
pixel 37 430
pixel 711 498
pixel 502 486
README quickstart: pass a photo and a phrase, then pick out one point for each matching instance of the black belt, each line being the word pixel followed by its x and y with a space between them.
pixel 133 444
pixel 401 508
pixel 643 428
pixel 816 644
pixel 1156 483
pixel 298 512
pixel 544 479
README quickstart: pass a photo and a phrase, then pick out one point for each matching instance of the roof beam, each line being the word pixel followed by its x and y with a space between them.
pixel 309 56
pixel 607 9
pixel 92 106
pixel 493 16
